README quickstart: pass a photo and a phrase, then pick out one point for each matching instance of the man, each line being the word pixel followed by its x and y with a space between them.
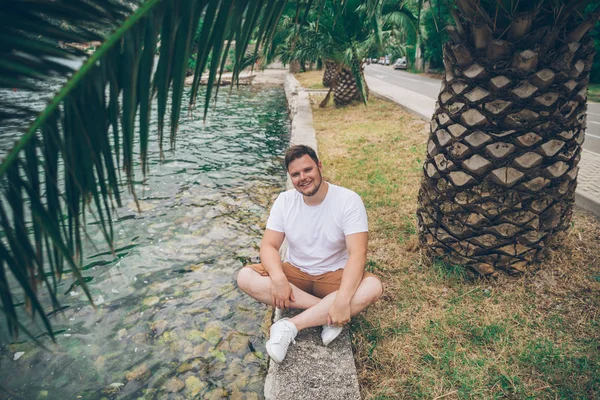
pixel 326 229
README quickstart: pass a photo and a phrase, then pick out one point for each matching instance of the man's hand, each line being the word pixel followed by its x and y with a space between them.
pixel 339 313
pixel 281 293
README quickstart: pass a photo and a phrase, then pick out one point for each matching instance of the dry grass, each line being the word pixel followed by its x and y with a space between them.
pixel 311 79
pixel 437 331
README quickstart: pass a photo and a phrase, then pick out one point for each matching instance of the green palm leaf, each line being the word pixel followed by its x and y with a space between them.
pixel 67 163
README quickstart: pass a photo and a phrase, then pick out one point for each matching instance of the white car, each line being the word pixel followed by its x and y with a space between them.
pixel 400 63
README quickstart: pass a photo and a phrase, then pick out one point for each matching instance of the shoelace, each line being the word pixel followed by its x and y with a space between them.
pixel 279 337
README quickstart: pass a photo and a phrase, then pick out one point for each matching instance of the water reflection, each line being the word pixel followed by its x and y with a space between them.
pixel 170 322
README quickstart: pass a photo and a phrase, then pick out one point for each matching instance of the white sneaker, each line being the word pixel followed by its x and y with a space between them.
pixel 283 332
pixel 329 333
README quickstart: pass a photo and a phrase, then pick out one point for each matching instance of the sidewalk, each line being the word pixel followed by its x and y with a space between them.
pixel 587 195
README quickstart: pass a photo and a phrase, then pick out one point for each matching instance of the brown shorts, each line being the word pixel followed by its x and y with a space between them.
pixel 318 285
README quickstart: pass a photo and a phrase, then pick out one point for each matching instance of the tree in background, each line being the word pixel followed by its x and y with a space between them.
pixel 297 41
pixel 329 73
pixel 338 33
pixel 595 33
pixel 501 166
pixel 344 34
pixel 434 21
pixel 399 26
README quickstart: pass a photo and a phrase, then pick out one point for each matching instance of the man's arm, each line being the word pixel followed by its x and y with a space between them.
pixel 281 291
pixel 339 313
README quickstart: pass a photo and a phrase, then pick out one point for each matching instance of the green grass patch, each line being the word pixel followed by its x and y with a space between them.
pixel 311 79
pixel 438 331
pixel 447 271
pixel 487 334
pixel 594 92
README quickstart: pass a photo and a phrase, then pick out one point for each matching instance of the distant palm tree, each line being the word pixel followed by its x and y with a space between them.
pixel 329 73
pixel 68 159
pixel 501 166
pixel 342 34
pixel 334 32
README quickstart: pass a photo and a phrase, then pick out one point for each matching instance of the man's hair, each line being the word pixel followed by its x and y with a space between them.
pixel 298 151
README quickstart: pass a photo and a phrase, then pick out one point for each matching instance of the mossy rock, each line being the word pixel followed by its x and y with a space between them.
pixel 150 301
pixel 218 355
pixel 140 373
pixel 235 343
pixel 121 334
pixel 158 327
pixel 170 336
pixel 174 385
pixel 195 336
pixel 149 394
pixel 216 394
pixel 202 350
pixel 99 363
pixel 139 338
pixel 213 332
pixel 234 369
pixel 184 368
pixel 193 386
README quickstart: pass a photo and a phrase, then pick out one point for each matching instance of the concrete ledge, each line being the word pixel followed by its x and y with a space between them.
pixel 310 370
pixel 302 130
pixel 587 202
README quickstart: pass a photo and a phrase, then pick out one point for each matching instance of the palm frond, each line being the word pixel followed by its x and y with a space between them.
pixel 67 162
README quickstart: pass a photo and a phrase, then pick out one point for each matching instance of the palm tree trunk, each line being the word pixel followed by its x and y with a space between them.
pixel 329 74
pixel 505 140
pixel 346 90
pixel 294 67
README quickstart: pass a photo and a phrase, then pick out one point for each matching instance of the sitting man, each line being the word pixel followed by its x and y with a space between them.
pixel 326 229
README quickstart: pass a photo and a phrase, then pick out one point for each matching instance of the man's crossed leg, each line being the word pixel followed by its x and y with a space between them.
pixel 313 294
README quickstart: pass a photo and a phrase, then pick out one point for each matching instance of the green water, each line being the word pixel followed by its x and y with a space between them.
pixel 170 322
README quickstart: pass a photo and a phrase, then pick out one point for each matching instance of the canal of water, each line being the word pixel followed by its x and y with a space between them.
pixel 170 322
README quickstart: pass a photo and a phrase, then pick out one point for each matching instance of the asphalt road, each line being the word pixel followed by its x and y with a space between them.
pixel 430 87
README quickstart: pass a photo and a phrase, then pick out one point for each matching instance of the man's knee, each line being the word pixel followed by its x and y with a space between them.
pixel 375 289
pixel 243 279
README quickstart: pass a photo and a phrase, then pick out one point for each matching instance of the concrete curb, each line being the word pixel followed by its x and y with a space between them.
pixel 310 370
pixel 587 194
pixel 587 202
pixel 415 103
pixel 405 108
pixel 302 130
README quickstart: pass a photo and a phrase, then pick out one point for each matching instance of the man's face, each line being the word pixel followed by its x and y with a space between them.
pixel 305 175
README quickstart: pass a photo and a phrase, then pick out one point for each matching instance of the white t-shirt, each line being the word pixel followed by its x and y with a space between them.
pixel 316 235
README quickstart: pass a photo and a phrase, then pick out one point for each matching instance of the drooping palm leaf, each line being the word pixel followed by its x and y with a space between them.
pixel 67 162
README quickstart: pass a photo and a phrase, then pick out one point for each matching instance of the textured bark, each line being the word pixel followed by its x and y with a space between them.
pixel 345 90
pixel 505 140
pixel 329 74
pixel 295 67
